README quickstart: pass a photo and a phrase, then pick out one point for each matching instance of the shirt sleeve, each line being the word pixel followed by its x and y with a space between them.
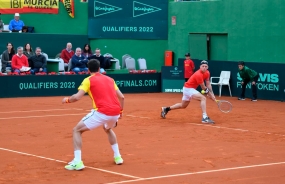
pixel 85 85
pixel 115 86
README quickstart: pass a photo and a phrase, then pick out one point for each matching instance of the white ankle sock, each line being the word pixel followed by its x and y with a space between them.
pixel 205 115
pixel 77 155
pixel 115 148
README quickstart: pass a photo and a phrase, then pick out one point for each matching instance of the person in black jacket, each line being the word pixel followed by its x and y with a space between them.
pixel 100 58
pixel 38 62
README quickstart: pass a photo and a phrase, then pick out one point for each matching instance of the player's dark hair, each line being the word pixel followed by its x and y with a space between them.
pixel 241 63
pixel 93 65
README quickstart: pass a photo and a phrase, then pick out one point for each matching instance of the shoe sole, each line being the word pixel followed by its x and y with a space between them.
pixel 208 122
pixel 241 99
pixel 163 116
pixel 75 169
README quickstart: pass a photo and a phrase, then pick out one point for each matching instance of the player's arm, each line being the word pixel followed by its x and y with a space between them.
pixel 83 88
pixel 209 86
pixel 121 98
pixel 74 97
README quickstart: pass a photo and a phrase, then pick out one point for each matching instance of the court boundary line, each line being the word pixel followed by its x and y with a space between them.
pixel 52 115
pixel 46 158
pixel 46 110
pixel 199 172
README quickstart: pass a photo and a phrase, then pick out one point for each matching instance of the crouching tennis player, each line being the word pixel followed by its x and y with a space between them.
pixel 190 92
pixel 108 102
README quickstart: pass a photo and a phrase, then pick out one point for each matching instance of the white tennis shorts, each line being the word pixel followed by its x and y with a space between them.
pixel 95 119
pixel 188 92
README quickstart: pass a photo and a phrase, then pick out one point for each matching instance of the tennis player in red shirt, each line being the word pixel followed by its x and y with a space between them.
pixel 108 103
pixel 189 67
pixel 190 92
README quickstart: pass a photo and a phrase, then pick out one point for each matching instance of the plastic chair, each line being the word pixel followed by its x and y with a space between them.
pixel 224 79
pixel 142 64
pixel 130 63
pixel 124 57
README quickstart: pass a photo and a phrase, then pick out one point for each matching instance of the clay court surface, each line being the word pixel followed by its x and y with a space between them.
pixel 244 146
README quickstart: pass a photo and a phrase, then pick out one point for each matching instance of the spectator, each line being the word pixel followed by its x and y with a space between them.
pixel 1 25
pixel 79 63
pixel 28 50
pixel 87 51
pixel 16 25
pixel 100 58
pixel 38 62
pixel 66 54
pixel 189 67
pixel 7 57
pixel 19 60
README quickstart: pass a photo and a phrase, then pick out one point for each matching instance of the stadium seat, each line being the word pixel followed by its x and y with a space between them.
pixel 142 64
pixel 130 63
pixel 123 60
pixel 224 79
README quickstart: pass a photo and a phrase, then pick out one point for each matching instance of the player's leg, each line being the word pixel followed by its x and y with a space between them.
pixel 202 99
pixel 254 89
pixel 243 87
pixel 111 122
pixel 76 163
pixel 89 122
pixel 185 102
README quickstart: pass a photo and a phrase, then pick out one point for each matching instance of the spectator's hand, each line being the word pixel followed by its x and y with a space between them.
pixel 41 69
pixel 253 83
pixel 9 61
pixel 242 83
pixel 0 30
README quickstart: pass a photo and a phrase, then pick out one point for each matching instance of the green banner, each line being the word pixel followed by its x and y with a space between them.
pixel 131 19
pixel 61 85
pixel 172 78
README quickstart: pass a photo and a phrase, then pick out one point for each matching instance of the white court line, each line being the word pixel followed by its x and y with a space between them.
pixel 236 129
pixel 46 158
pixel 137 116
pixel 200 172
pixel 43 110
pixel 25 117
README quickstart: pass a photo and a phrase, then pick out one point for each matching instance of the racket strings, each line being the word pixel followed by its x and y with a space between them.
pixel 225 106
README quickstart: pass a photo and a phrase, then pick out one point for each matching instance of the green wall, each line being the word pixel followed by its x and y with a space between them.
pixel 60 23
pixel 151 50
pixel 255 29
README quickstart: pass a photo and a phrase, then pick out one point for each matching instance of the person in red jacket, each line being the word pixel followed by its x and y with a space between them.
pixel 189 67
pixel 66 54
pixel 19 60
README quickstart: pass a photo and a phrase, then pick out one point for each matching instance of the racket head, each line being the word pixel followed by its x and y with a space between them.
pixel 224 106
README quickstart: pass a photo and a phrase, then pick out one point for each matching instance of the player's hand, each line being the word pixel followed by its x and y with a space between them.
pixel 253 83
pixel 64 100
pixel 121 114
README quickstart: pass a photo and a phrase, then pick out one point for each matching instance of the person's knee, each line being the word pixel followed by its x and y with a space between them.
pixel 183 105
pixel 203 98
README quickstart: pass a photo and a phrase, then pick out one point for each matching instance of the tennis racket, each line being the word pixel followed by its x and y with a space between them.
pixel 224 106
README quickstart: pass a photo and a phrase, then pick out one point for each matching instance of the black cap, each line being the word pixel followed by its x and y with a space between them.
pixel 187 54
pixel 204 62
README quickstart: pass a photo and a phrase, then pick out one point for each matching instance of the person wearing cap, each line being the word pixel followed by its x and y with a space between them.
pixel 190 92
pixel 247 75
pixel 189 67
pixel 16 25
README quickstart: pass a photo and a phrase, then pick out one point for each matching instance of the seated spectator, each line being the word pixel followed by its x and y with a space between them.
pixel 87 51
pixel 16 25
pixel 7 57
pixel 66 54
pixel 28 51
pixel 38 62
pixel 100 58
pixel 19 60
pixel 79 63
pixel 1 25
